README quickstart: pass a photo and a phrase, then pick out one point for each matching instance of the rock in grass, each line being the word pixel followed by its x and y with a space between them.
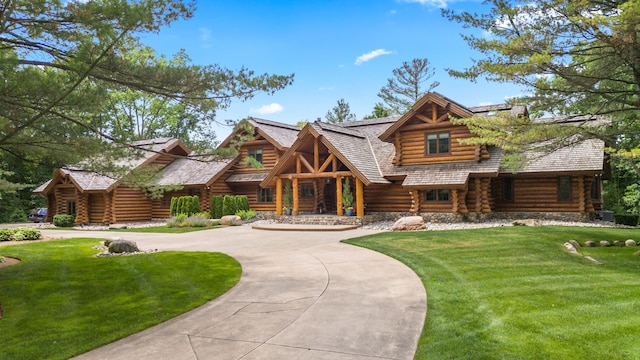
pixel 409 223
pixel 618 243
pixel 231 220
pixel 123 246
pixel 574 243
pixel 527 222
pixel 630 242
pixel 604 243
pixel 590 243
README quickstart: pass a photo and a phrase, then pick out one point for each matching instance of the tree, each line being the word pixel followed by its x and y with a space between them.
pixel 62 60
pixel 340 113
pixel 407 85
pixel 574 57
pixel 302 123
pixel 379 111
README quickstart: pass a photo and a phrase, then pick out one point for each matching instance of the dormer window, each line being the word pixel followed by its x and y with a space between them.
pixel 256 154
pixel 437 143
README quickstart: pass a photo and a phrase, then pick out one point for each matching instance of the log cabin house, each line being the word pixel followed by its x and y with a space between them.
pixel 412 163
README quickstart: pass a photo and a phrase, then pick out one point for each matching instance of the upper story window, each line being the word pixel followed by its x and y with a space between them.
pixel 256 154
pixel 564 188
pixel 437 143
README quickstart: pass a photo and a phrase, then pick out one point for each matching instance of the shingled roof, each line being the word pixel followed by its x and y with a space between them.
pixel 194 170
pixel 92 181
pixel 281 135
pixel 586 155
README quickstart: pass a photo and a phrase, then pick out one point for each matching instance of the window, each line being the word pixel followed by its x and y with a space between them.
pixel 437 143
pixel 265 195
pixel 507 189
pixel 256 154
pixel 596 189
pixel 436 195
pixel 307 190
pixel 564 188
pixel 71 207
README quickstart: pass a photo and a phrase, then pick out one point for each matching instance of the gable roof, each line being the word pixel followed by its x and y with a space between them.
pixel 194 170
pixel 91 181
pixel 585 155
pixel 280 135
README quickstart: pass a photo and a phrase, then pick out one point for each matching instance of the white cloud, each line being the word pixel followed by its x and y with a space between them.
pixel 205 34
pixel 435 3
pixel 269 109
pixel 371 55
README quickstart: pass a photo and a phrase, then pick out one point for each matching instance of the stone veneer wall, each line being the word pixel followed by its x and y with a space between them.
pixel 324 219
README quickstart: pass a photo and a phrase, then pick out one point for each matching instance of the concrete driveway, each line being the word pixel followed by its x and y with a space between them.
pixel 303 295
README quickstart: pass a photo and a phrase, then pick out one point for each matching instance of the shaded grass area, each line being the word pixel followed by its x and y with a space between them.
pixel 61 300
pixel 516 293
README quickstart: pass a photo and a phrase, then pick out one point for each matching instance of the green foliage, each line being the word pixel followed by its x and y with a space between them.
pixel 631 198
pixel 62 82
pixel 246 214
pixel 184 220
pixel 72 285
pixel 379 111
pixel 405 87
pixel 347 195
pixel 287 196
pixel 243 203
pixel 340 113
pixel 177 221
pixel 216 206
pixel 194 205
pixel 173 206
pixel 64 220
pixel 229 205
pixel 19 234
pixel 626 219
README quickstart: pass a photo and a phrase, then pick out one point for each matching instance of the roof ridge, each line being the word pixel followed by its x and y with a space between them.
pixel 339 129
pixel 365 122
pixel 275 123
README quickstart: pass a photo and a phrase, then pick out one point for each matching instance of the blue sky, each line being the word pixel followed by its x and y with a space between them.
pixel 337 49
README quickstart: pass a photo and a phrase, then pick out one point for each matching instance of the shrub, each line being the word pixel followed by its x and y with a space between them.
pixel 196 221
pixel 216 206
pixel 626 219
pixel 246 214
pixel 243 203
pixel 195 205
pixel 19 234
pixel 172 208
pixel 5 234
pixel 62 220
pixel 177 220
pixel 229 206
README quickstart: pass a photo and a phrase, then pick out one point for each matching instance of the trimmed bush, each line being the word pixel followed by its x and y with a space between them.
pixel 216 206
pixel 172 208
pixel 5 234
pixel 229 206
pixel 63 220
pixel 243 203
pixel 195 205
pixel 626 219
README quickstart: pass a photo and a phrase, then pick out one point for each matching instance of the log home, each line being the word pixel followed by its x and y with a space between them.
pixel 414 163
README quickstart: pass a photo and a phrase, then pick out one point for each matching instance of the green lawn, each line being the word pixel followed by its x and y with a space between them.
pixel 516 293
pixel 61 300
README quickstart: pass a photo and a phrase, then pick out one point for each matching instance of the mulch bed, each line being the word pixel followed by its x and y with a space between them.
pixel 8 261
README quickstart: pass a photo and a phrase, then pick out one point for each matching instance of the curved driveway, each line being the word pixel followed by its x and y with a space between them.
pixel 302 295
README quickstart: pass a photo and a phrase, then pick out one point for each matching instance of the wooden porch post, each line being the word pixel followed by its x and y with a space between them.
pixel 278 197
pixel 339 196
pixel 359 198
pixel 294 188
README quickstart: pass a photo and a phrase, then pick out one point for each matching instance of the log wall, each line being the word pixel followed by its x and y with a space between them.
pixel 539 194
pixel 386 198
pixel 251 190
pixel 96 208
pixel 413 145
pixel 270 155
pixel 131 205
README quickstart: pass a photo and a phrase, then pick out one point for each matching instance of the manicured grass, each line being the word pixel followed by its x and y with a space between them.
pixel 516 293
pixel 61 300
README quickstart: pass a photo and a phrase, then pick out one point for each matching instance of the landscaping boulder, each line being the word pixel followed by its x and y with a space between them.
pixel 630 242
pixel 604 243
pixel 231 220
pixel 527 222
pixel 571 248
pixel 409 223
pixel 590 243
pixel 574 243
pixel 123 246
pixel 618 243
